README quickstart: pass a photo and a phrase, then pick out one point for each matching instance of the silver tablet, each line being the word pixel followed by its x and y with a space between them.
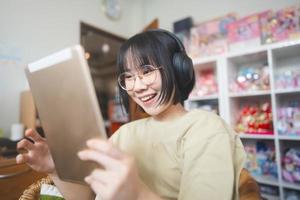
pixel 65 98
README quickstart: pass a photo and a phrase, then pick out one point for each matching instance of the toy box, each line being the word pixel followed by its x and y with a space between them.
pixel 206 83
pixel 288 77
pixel 244 33
pixel 261 159
pixel 281 25
pixel 209 38
pixel 288 122
pixel 291 165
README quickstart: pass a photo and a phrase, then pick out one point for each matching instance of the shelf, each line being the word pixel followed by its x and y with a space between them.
pixel 269 197
pixel 278 46
pixel 289 137
pixel 267 180
pixel 199 61
pixel 256 136
pixel 270 61
pixel 203 98
pixel 293 186
pixel 286 49
pixel 250 93
pixel 285 44
pixel 286 91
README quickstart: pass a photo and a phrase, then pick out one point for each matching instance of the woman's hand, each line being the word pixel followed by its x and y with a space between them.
pixel 118 177
pixel 37 154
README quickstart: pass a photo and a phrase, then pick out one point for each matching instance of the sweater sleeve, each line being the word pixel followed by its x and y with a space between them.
pixel 207 167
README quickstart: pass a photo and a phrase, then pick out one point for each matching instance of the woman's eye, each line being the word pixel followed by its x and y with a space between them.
pixel 128 76
pixel 147 70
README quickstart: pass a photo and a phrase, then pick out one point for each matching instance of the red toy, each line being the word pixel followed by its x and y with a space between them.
pixel 255 119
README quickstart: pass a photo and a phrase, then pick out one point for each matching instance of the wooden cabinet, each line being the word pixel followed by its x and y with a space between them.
pixel 14 179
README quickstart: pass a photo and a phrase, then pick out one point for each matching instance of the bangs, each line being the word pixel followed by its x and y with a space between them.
pixel 135 58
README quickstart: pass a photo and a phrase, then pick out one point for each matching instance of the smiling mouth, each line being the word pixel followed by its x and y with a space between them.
pixel 147 98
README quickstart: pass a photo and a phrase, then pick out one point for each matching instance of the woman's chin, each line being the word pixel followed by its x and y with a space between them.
pixel 151 112
pixel 154 111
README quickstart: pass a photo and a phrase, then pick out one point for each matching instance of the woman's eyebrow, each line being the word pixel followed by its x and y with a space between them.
pixel 130 70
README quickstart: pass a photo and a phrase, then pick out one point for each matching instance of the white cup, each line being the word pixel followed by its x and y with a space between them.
pixel 17 132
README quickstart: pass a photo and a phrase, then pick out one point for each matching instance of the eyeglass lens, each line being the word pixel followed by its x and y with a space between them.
pixel 147 74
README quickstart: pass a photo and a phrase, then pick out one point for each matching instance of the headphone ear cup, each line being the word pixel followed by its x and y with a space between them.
pixel 183 68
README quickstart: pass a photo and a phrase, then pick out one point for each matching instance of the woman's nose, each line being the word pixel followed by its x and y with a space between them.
pixel 139 85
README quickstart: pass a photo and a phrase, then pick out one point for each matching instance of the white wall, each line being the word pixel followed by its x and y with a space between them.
pixel 31 29
pixel 38 27
pixel 168 11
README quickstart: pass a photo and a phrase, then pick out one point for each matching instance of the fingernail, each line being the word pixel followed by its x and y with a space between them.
pixel 89 142
pixel 18 158
pixel 80 154
pixel 28 130
pixel 87 179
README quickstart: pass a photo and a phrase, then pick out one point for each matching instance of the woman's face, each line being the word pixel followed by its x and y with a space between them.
pixel 146 95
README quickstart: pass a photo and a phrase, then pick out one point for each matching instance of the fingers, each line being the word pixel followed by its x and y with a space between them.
pixel 32 134
pixel 105 147
pixel 101 176
pixel 101 182
pixel 22 158
pixel 104 160
pixel 100 189
pixel 25 144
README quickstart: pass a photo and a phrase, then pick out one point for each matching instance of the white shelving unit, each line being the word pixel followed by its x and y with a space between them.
pixel 209 96
pixel 277 57
pixel 267 181
pixel 256 136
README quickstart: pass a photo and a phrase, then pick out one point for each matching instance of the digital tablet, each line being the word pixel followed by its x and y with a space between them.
pixel 67 105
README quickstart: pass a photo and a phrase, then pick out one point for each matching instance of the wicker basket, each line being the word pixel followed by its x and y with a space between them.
pixel 33 191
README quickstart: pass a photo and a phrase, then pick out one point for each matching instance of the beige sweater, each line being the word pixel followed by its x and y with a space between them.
pixel 194 157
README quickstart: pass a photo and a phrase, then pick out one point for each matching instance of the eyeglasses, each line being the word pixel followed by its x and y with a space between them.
pixel 147 74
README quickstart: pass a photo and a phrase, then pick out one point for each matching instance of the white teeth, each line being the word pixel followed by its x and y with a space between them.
pixel 147 98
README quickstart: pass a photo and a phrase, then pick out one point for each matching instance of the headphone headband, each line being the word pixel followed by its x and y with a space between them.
pixel 183 65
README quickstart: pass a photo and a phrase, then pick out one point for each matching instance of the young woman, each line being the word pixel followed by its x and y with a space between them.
pixel 173 154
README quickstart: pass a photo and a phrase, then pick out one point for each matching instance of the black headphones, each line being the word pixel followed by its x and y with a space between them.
pixel 182 63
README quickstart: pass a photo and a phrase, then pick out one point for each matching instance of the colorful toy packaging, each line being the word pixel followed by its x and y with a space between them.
pixel 269 192
pixel 261 160
pixel 244 33
pixel 281 25
pixel 255 119
pixel 206 83
pixel 251 78
pixel 227 33
pixel 291 166
pixel 288 78
pixel 289 119
pixel 209 38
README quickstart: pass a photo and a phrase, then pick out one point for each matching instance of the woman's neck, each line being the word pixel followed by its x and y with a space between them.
pixel 172 112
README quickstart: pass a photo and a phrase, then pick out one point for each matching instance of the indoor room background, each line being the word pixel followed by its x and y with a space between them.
pixel 31 29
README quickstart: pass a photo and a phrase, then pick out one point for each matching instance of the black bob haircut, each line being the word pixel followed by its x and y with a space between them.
pixel 156 48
